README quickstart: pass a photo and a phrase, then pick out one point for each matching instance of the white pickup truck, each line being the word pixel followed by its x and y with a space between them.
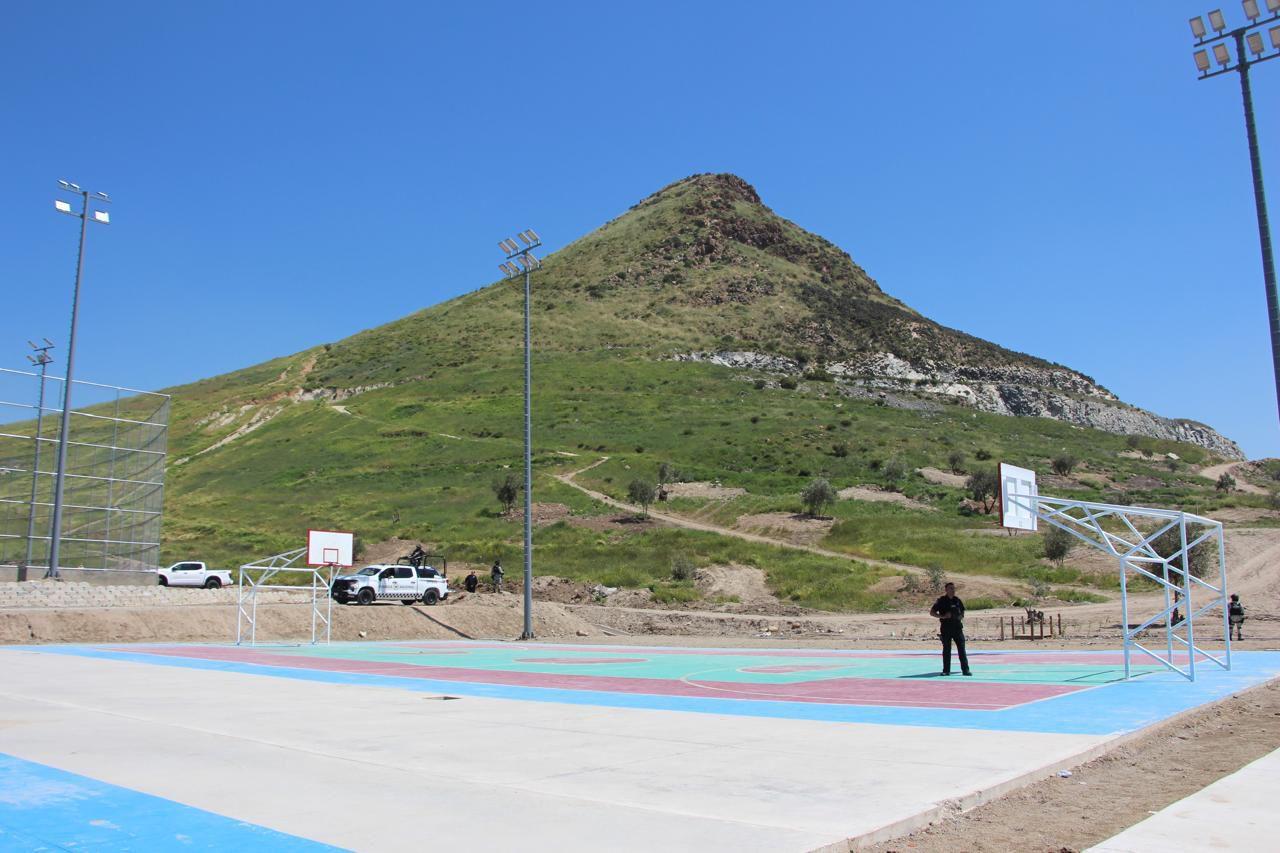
pixel 191 573
pixel 392 582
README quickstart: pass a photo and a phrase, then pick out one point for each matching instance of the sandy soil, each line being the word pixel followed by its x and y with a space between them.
pixel 1101 798
pixel 943 478
pixel 797 529
pixel 875 493
pixel 714 491
pixel 1213 472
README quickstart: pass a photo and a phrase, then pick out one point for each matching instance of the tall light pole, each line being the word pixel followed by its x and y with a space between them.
pixel 1249 36
pixel 84 215
pixel 42 360
pixel 527 263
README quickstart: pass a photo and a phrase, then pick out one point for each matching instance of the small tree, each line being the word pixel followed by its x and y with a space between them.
pixel 840 449
pixel 1170 542
pixel 894 471
pixel 937 577
pixel 1225 483
pixel 1058 544
pixel 666 473
pixel 682 568
pixel 982 486
pixel 507 491
pixel 816 496
pixel 641 492
pixel 983 455
pixel 956 461
pixel 1064 464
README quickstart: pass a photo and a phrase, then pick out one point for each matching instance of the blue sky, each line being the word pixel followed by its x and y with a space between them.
pixel 1051 177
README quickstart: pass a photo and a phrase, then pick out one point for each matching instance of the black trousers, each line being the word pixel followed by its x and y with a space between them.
pixel 953 632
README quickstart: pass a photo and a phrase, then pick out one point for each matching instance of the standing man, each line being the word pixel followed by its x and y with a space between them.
pixel 495 574
pixel 949 610
pixel 1235 613
pixel 471 582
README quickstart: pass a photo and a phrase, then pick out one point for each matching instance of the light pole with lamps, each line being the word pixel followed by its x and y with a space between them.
pixel 527 262
pixel 1249 36
pixel 42 360
pixel 85 213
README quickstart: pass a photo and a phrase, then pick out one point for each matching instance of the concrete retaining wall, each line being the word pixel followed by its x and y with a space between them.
pixel 74 594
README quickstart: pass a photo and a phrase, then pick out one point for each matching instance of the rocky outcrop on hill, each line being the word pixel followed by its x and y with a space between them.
pixel 1017 390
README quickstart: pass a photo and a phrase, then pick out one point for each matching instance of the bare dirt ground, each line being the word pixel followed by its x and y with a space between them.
pixel 789 527
pixel 1237 470
pixel 875 493
pixel 1101 798
pixel 943 478
pixel 714 491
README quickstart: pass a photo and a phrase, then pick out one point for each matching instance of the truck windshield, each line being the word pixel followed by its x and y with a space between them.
pixel 369 570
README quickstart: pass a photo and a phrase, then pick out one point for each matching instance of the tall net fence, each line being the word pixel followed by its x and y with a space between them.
pixel 113 492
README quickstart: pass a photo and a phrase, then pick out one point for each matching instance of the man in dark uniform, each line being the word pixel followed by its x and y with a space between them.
pixel 471 582
pixel 1235 614
pixel 495 575
pixel 949 610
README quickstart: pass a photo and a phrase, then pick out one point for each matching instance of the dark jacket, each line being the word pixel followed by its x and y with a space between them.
pixel 948 609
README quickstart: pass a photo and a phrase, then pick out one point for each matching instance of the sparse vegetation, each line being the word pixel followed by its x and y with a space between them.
pixel 507 490
pixel 1057 544
pixel 1064 464
pixel 982 487
pixel 1225 482
pixel 642 492
pixel 817 496
pixel 955 462
pixel 683 568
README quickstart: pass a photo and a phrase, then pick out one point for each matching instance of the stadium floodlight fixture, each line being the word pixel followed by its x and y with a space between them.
pixel 62 206
pixel 1217 21
pixel 1202 60
pixel 537 239
pixel 102 197
pixel 1273 6
pixel 102 216
pixel 1221 54
pixel 1275 35
pixel 1197 27
pixel 1255 43
pixel 524 239
pixel 534 258
pixel 1250 9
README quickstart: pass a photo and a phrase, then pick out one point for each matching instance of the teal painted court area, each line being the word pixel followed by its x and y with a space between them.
pixel 1065 692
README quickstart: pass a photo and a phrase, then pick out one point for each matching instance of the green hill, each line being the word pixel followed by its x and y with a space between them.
pixel 698 329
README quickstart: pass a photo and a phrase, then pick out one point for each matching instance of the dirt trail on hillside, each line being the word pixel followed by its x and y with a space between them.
pixel 1213 472
pixel 691 524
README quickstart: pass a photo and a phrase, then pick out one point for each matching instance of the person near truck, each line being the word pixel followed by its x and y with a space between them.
pixel 471 582
pixel 495 574
pixel 949 611
pixel 1235 615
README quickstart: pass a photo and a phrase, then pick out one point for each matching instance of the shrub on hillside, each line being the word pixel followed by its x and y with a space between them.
pixel 1225 483
pixel 982 455
pixel 816 496
pixel 1170 542
pixel 956 462
pixel 937 578
pixel 1064 464
pixel 641 492
pixel 507 490
pixel 894 470
pixel 788 383
pixel 682 568
pixel 982 486
pixel 1057 544
pixel 840 449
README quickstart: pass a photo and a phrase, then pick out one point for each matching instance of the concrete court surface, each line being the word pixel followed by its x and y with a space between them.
pixel 546 747
pixel 1238 812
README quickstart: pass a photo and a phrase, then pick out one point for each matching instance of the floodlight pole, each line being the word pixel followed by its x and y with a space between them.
pixel 41 358
pixel 527 261
pixel 1242 65
pixel 55 536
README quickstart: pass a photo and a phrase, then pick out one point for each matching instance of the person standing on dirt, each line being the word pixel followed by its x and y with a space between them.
pixel 1235 615
pixel 949 611
pixel 495 574
pixel 471 582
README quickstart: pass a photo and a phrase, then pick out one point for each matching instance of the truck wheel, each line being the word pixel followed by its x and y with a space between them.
pixel 164 581
pixel 366 596
pixel 430 597
pixel 212 583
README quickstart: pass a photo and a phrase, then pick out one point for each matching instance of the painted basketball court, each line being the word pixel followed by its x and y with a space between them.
pixel 485 745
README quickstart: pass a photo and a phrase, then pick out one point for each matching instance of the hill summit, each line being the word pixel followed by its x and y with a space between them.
pixel 703 271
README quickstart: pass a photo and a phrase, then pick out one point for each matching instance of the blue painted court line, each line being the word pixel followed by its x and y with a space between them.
pixel 46 809
pixel 1114 708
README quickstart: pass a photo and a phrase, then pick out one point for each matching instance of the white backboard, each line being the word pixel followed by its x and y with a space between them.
pixel 329 548
pixel 1017 486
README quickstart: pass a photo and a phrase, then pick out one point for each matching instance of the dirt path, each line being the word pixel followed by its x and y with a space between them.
pixel 691 524
pixel 1213 472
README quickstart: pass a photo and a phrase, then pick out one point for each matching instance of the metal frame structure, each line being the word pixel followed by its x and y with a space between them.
pixel 258 573
pixel 528 262
pixel 1136 554
pixel 114 474
pixel 1248 39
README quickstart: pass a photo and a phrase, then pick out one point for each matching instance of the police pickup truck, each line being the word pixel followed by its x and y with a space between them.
pixel 193 573
pixel 400 582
